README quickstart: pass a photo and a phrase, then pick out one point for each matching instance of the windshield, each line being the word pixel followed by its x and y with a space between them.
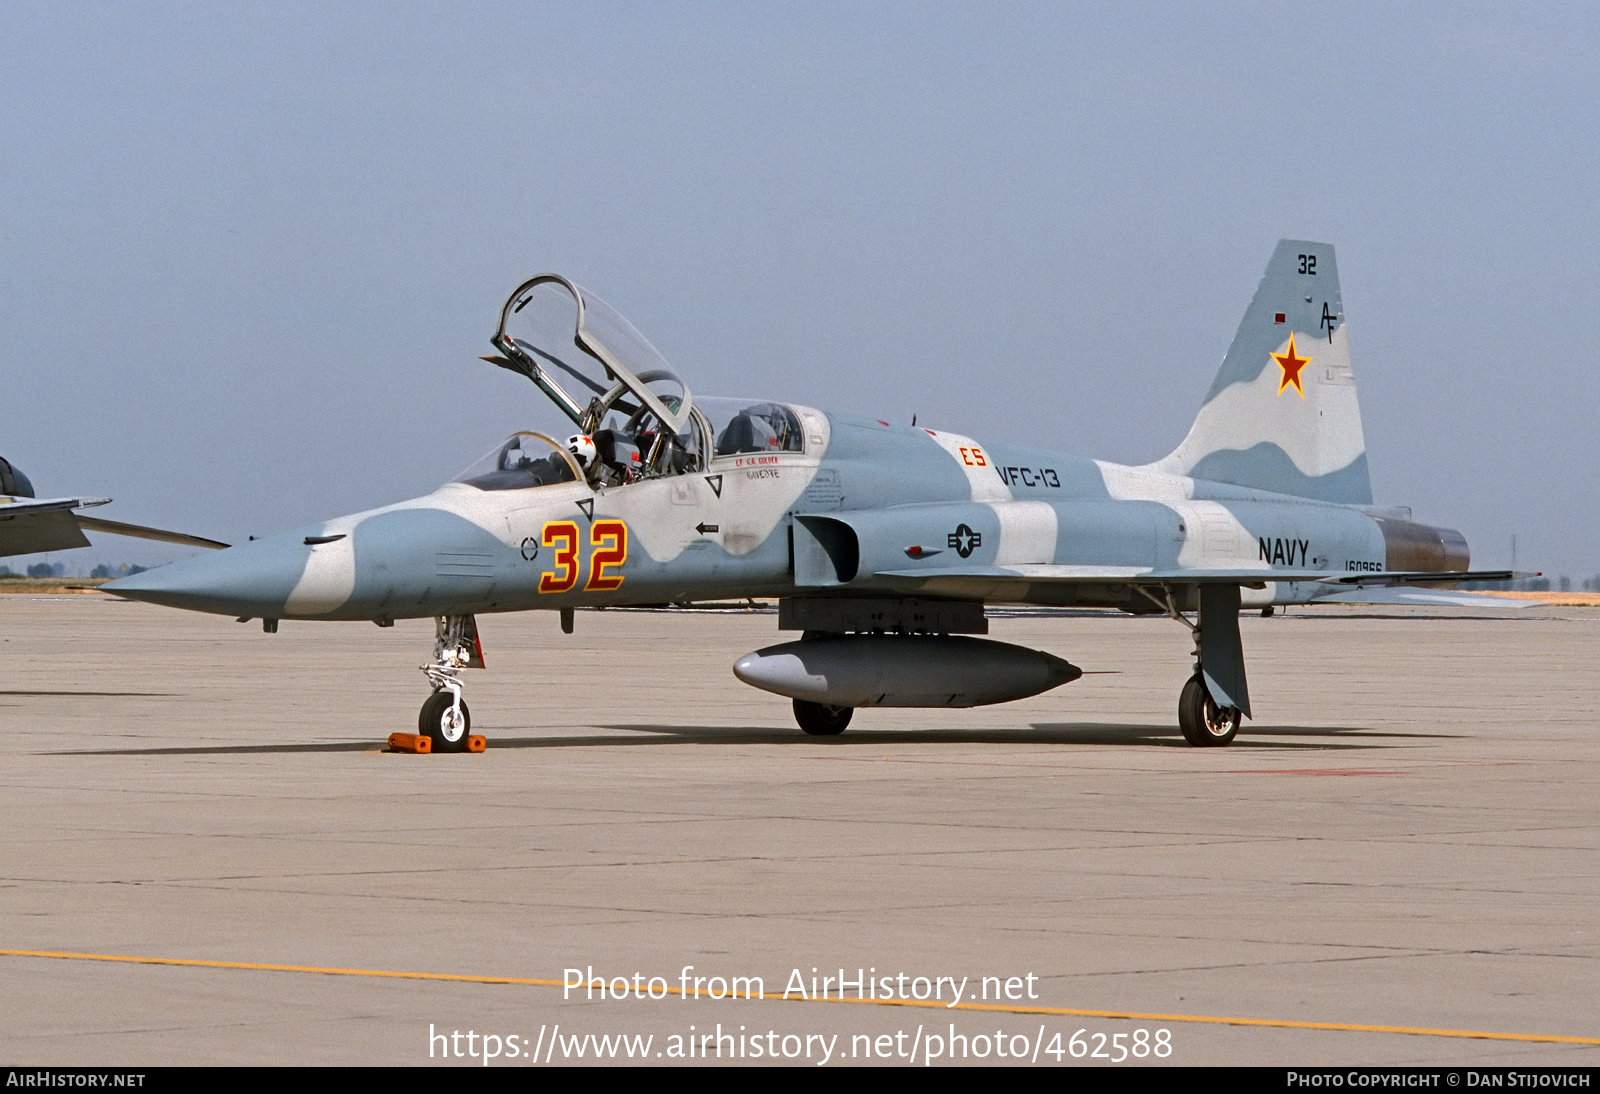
pixel 524 461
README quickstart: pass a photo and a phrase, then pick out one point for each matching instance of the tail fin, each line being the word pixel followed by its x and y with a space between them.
pixel 1282 413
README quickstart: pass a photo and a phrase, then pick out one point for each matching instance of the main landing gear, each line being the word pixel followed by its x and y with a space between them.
pixel 821 721
pixel 1216 697
pixel 444 719
pixel 1203 722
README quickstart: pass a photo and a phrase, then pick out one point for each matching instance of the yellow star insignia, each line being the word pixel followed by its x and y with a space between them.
pixel 1291 365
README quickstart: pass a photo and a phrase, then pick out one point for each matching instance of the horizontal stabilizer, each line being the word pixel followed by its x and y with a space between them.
pixel 1429 577
pixel 1423 598
pixel 11 507
pixel 31 525
pixel 39 528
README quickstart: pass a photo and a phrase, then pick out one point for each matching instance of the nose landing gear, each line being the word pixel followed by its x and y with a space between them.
pixel 444 718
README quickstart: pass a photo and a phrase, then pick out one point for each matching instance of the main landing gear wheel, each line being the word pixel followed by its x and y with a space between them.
pixel 1202 721
pixel 820 721
pixel 440 723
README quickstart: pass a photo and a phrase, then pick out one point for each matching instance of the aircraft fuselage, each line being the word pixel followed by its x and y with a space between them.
pixel 930 507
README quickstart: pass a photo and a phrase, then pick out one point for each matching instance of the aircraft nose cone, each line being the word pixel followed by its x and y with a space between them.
pixel 253 579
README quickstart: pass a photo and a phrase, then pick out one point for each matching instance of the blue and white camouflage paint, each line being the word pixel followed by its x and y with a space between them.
pixel 1266 501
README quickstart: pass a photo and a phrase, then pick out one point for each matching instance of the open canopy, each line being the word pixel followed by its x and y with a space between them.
pixel 635 415
pixel 585 356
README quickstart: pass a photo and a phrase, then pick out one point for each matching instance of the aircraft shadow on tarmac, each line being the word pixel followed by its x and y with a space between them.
pixel 1162 736
pixel 91 694
pixel 1318 738
pixel 222 750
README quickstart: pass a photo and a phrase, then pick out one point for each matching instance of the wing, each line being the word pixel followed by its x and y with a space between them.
pixel 1327 586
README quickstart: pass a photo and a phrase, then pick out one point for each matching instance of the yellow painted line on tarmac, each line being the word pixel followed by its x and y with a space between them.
pixel 257 967
pixel 1129 1015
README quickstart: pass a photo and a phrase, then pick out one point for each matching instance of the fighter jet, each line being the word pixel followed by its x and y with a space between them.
pixel 882 544
pixel 29 524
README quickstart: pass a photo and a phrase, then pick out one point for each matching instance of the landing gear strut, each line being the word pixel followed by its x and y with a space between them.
pixel 444 719
pixel 1216 696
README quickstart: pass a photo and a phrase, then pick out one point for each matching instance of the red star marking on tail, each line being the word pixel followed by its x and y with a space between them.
pixel 1291 366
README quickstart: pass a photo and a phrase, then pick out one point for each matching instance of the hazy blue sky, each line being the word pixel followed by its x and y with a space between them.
pixel 249 256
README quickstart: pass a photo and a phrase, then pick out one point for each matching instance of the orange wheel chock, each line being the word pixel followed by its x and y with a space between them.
pixel 410 742
pixel 476 743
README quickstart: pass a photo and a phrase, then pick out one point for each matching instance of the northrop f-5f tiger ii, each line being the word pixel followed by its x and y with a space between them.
pixel 882 544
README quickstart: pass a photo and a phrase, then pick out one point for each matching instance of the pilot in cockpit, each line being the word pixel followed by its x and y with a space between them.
pixel 627 451
pixel 521 467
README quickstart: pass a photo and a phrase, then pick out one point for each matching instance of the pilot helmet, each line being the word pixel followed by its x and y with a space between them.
pixel 582 449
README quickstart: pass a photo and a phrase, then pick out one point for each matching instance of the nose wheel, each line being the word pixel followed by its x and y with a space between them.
pixel 444 721
pixel 444 718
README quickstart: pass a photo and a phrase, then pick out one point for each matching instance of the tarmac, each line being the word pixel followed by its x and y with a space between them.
pixel 1395 863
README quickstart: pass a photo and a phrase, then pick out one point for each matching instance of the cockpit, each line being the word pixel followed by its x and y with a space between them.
pixel 635 417
pixel 757 427
pixel 526 460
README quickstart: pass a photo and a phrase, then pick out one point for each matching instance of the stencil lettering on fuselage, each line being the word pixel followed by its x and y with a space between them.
pixel 974 462
pixel 1027 528
pixel 1284 552
pixel 743 502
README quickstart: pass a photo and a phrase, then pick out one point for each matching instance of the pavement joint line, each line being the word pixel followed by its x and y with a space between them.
pixel 467 978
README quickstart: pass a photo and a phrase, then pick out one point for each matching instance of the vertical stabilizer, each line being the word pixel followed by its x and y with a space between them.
pixel 1282 413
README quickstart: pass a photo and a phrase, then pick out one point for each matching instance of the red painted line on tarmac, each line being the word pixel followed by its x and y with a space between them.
pixel 1308 771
